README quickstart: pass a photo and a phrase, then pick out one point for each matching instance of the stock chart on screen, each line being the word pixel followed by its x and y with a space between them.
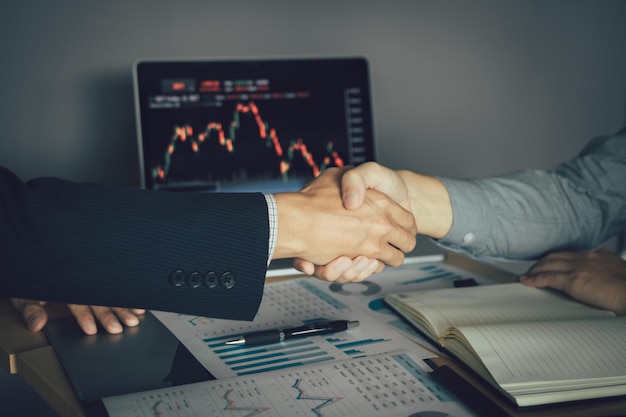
pixel 250 125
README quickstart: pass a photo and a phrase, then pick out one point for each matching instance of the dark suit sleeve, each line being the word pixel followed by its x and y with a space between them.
pixel 200 254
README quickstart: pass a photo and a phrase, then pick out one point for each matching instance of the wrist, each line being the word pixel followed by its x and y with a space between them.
pixel 292 220
pixel 430 204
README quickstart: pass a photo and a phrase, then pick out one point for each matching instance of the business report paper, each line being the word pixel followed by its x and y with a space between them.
pixel 388 385
pixel 305 300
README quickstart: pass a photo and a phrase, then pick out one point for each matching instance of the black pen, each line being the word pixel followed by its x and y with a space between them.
pixel 264 337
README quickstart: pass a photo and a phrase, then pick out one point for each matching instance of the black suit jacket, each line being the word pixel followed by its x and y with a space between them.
pixel 193 253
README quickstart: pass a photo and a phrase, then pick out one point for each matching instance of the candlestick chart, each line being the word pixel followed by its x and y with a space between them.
pixel 245 146
pixel 250 125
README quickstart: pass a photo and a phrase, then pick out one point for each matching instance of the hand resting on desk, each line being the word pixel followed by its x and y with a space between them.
pixel 595 278
pixel 111 318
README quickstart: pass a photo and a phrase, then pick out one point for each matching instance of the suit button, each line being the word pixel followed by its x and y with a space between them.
pixel 194 279
pixel 177 278
pixel 211 279
pixel 227 280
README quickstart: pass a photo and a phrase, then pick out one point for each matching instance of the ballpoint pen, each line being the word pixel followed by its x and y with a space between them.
pixel 278 335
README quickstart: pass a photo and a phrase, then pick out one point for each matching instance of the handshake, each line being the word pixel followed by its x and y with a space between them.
pixel 343 226
pixel 347 224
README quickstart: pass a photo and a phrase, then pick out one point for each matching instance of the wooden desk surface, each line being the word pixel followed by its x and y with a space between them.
pixel 30 355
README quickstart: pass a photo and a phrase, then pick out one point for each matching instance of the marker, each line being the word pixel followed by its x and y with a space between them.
pixel 264 337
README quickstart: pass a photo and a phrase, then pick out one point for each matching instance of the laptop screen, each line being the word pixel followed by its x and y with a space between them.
pixel 267 125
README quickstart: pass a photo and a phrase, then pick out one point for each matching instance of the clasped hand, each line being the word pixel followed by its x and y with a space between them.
pixel 313 224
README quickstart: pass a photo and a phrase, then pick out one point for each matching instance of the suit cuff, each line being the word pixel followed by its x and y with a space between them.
pixel 272 214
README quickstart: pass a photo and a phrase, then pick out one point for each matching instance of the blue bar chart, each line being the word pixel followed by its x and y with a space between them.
pixel 304 300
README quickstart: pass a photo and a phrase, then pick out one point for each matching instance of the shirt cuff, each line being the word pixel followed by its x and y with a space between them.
pixel 272 214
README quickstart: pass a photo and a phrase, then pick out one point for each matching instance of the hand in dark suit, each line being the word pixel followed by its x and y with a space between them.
pixel 112 319
pixel 203 254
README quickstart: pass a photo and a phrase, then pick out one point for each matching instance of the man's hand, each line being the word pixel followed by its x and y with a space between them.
pixel 111 318
pixel 595 278
pixel 423 196
pixel 373 176
pixel 354 184
pixel 315 226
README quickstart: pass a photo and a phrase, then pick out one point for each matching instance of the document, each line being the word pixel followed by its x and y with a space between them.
pixel 304 300
pixel 387 385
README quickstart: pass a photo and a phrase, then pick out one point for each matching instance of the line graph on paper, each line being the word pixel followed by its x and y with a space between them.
pixel 391 385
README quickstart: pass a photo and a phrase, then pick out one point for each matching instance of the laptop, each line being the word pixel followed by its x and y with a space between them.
pixel 243 125
pixel 234 125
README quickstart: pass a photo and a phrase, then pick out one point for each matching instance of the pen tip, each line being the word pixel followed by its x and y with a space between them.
pixel 353 323
pixel 236 342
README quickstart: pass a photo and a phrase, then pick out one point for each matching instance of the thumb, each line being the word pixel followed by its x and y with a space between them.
pixel 354 182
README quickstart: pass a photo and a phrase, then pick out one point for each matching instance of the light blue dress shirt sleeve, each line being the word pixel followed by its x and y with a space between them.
pixel 523 215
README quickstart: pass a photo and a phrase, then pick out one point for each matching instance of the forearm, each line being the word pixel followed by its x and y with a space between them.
pixel 525 214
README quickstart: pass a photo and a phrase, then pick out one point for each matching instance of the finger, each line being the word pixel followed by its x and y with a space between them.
pixel 33 312
pixel 334 269
pixel 303 266
pixel 362 270
pixel 397 224
pixel 552 279
pixel 108 319
pixel 369 175
pixel 356 181
pixel 560 263
pixel 353 188
pixel 391 256
pixel 84 317
pixel 403 235
pixel 127 316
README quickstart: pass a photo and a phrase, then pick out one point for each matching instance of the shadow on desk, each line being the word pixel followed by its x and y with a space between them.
pixel 141 358
pixel 18 399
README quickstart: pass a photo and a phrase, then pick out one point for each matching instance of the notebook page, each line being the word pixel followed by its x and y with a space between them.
pixel 552 352
pixel 488 304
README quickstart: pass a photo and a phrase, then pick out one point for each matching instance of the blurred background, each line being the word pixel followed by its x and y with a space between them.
pixel 459 88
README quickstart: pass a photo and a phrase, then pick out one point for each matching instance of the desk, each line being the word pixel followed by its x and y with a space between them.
pixel 31 356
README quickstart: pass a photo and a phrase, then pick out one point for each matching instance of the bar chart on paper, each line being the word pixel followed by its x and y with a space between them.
pixel 304 300
pixel 413 275
pixel 285 304
pixel 381 385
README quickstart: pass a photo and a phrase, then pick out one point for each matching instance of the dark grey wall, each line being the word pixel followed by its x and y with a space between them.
pixel 460 88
